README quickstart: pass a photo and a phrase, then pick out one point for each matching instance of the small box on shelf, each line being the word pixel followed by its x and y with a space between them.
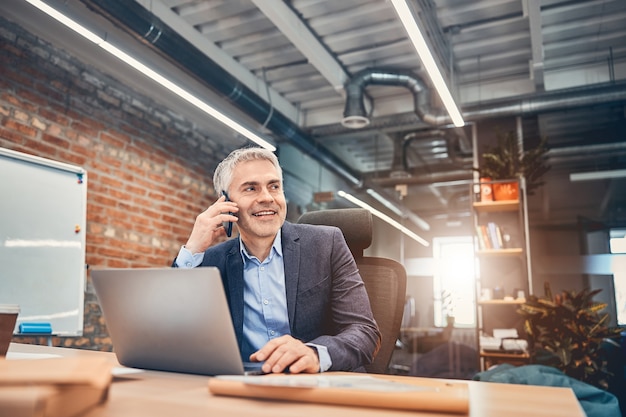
pixel 486 192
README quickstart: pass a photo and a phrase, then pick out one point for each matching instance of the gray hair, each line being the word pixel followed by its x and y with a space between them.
pixel 223 175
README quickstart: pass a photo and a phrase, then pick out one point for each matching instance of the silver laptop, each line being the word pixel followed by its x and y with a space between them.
pixel 170 319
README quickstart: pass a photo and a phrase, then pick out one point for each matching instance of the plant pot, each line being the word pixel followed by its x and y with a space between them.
pixel 504 191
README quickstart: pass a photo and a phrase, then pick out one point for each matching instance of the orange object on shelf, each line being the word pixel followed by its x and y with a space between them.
pixel 505 191
pixel 486 191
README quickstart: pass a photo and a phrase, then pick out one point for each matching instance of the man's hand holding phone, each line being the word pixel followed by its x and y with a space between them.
pixel 228 226
pixel 212 224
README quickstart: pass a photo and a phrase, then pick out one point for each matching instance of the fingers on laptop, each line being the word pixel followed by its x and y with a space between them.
pixel 286 353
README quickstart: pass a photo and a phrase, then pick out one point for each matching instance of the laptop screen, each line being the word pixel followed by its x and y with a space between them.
pixel 169 319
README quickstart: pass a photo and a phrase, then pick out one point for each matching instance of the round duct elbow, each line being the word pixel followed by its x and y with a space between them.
pixel 355 122
pixel 354 115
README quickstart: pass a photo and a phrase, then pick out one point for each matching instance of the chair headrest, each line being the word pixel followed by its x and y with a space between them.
pixel 355 224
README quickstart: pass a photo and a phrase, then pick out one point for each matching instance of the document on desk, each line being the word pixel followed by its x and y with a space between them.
pixel 378 391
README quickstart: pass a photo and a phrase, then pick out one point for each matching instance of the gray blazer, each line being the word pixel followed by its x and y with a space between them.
pixel 326 298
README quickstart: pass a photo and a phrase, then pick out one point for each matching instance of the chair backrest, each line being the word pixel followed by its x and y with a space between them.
pixel 384 279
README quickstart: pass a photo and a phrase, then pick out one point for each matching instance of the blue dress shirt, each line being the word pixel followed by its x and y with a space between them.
pixel 264 299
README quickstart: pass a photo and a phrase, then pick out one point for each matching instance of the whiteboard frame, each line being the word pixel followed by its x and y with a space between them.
pixel 49 163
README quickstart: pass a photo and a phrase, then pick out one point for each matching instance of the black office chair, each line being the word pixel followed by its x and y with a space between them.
pixel 384 279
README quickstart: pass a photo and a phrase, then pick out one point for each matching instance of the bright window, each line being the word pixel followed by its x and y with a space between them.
pixel 454 281
pixel 618 245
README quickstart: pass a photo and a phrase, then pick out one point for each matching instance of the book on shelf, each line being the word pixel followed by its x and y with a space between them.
pixel 500 238
pixel 490 236
pixel 493 235
pixel 479 238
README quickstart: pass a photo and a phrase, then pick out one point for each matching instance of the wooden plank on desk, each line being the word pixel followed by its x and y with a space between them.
pixel 377 391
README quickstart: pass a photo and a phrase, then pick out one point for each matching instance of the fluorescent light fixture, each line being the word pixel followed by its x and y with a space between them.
pixel 597 175
pixel 382 216
pixel 153 75
pixel 421 223
pixel 385 202
pixel 414 32
pixel 618 244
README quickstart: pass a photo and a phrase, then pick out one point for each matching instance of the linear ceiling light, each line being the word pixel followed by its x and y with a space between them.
pixel 382 216
pixel 153 75
pixel 382 200
pixel 414 32
pixel 597 175
pixel 421 223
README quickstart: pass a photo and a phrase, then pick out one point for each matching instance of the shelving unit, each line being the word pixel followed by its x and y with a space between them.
pixel 500 252
pixel 504 269
pixel 501 302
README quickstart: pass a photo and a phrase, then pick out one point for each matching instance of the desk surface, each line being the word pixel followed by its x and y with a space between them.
pixel 166 394
pixel 422 331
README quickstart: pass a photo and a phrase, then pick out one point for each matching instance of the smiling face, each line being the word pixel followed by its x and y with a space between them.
pixel 257 189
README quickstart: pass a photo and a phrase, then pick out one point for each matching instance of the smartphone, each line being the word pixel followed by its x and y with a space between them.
pixel 228 226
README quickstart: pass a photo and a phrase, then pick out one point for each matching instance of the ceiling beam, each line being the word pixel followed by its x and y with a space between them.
pixel 298 33
pixel 211 50
pixel 532 9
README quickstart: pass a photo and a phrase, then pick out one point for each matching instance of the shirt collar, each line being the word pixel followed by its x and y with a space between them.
pixel 277 248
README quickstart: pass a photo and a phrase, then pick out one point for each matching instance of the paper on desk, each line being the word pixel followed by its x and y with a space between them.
pixel 26 355
pixel 381 391
pixel 352 382
pixel 122 370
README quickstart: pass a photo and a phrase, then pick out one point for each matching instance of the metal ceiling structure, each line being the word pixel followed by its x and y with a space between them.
pixel 546 68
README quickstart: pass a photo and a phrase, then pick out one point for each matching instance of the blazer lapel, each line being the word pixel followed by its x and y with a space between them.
pixel 234 270
pixel 291 253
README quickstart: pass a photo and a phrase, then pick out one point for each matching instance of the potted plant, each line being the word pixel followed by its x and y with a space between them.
pixel 506 161
pixel 566 331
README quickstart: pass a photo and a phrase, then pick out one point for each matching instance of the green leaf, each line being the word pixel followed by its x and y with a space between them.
pixel 596 308
pixel 548 303
pixel 533 310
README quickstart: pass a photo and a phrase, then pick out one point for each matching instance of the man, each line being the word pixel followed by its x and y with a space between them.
pixel 295 295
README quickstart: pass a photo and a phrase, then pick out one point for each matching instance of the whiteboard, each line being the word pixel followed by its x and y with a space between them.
pixel 43 207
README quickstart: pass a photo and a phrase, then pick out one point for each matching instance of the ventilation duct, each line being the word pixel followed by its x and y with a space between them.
pixel 445 134
pixel 400 164
pixel 558 100
pixel 355 116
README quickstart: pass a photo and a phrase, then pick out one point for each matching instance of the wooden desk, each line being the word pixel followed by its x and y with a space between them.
pixel 422 331
pixel 156 394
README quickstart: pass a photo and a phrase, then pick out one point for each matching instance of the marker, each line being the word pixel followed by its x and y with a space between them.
pixel 35 328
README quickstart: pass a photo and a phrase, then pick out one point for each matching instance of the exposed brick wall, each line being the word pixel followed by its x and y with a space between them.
pixel 149 170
